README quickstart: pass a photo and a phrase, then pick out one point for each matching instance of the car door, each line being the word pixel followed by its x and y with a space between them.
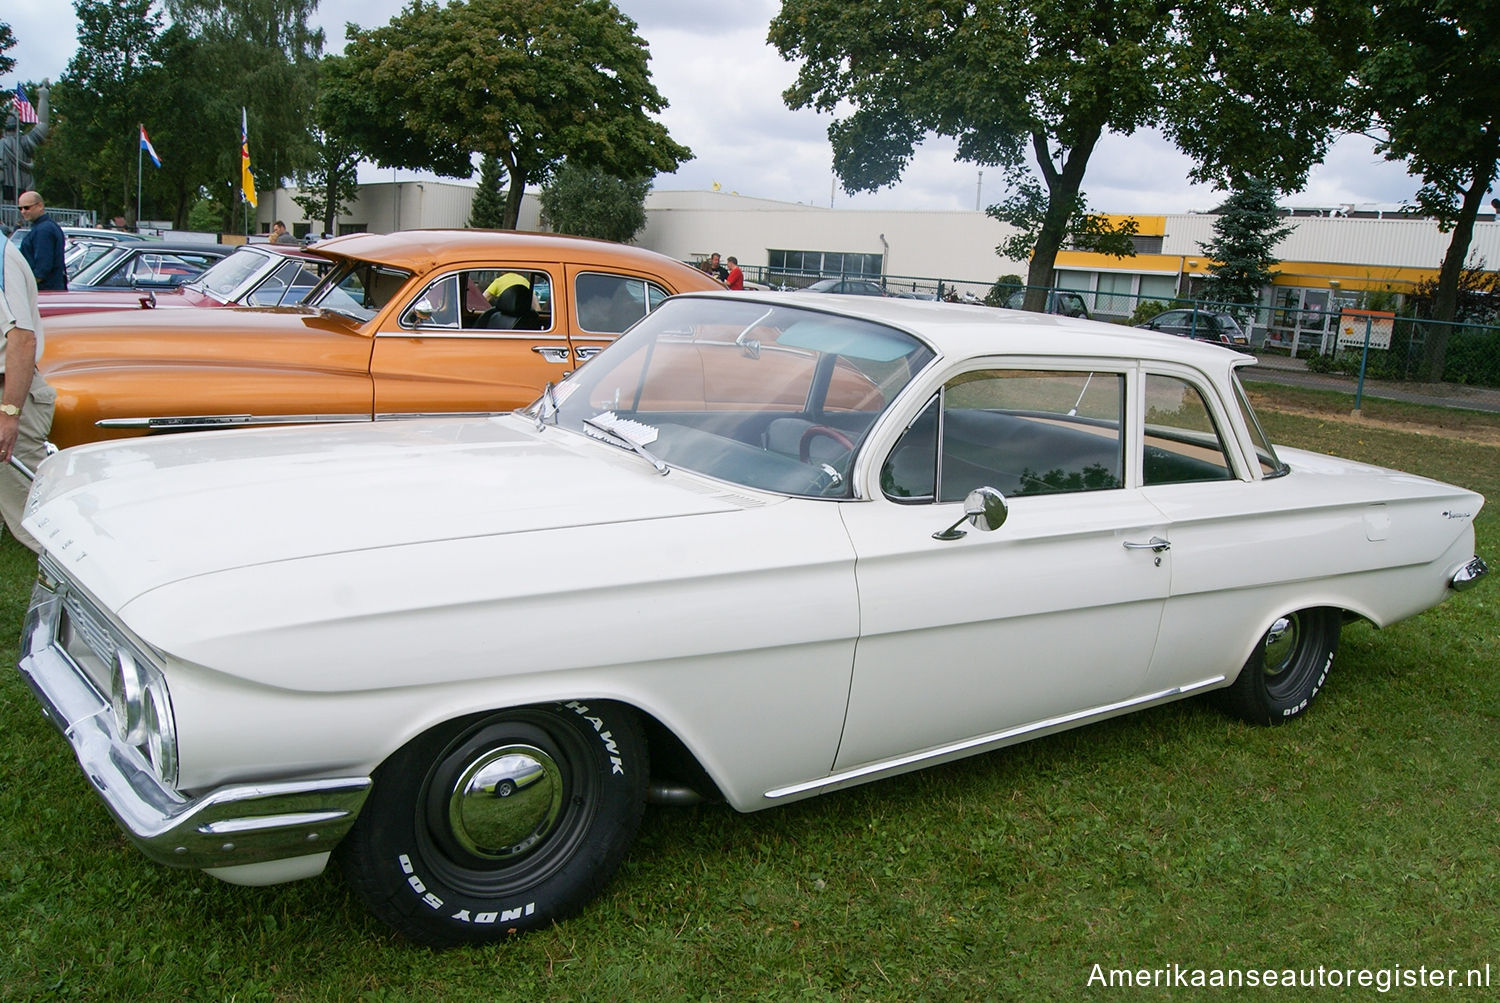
pixel 447 348
pixel 601 303
pixel 1051 615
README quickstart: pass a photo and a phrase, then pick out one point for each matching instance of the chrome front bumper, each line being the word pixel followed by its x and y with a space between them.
pixel 226 827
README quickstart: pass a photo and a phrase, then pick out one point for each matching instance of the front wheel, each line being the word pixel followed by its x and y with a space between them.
pixel 1287 668
pixel 499 823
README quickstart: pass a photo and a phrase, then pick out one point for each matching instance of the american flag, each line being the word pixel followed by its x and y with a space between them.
pixel 24 111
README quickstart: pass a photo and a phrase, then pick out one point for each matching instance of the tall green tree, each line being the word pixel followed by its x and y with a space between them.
pixel 331 184
pixel 261 55
pixel 1045 79
pixel 488 210
pixel 529 82
pixel 1247 227
pixel 108 87
pixel 1431 84
pixel 587 202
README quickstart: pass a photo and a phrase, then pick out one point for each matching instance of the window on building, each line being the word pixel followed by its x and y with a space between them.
pixel 789 264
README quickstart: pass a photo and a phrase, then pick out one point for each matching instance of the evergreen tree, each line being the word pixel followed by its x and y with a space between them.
pixel 588 202
pixel 1246 232
pixel 488 211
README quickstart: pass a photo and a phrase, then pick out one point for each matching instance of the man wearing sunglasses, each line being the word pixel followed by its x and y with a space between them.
pixel 43 244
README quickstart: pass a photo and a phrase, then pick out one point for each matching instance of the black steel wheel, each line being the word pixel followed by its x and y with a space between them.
pixel 501 823
pixel 1288 667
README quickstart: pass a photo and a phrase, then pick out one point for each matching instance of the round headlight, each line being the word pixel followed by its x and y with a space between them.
pixel 127 696
pixel 161 736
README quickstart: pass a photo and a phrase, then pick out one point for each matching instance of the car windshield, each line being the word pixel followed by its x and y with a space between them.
pixel 222 278
pixel 764 395
pixel 358 289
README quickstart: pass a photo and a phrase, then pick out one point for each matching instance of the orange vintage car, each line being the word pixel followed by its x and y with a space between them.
pixel 405 324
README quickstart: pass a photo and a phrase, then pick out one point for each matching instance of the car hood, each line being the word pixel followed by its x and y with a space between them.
pixel 130 516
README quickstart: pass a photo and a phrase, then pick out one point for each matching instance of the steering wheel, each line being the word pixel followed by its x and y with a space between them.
pixel 804 448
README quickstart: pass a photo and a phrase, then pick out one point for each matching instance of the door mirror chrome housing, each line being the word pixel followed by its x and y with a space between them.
pixel 984 509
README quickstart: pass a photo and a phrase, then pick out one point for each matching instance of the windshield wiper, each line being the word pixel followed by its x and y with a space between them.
pixel 614 428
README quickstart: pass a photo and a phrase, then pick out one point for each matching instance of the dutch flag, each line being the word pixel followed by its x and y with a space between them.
pixel 150 150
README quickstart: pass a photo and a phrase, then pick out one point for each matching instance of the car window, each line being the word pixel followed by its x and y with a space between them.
pixel 436 306
pixel 224 276
pixel 608 304
pixel 158 268
pixel 1024 432
pixel 358 289
pixel 287 284
pixel 1182 442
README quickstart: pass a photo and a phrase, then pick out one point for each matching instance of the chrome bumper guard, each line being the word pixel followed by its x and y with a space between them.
pixel 1469 575
pixel 238 824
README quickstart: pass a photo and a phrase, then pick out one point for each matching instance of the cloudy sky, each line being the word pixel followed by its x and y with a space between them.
pixel 724 84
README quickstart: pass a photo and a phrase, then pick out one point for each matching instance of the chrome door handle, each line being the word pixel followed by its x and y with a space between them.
pixel 551 353
pixel 1156 544
pixel 587 352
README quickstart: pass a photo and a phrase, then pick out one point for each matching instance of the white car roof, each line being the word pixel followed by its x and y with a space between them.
pixel 958 330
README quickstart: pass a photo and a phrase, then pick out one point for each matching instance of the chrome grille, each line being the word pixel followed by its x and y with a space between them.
pixel 87 639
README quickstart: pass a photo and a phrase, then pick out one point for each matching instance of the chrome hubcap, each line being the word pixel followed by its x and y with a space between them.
pixel 1281 645
pixel 506 802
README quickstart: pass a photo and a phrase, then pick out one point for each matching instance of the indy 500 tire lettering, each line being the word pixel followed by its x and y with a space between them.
pixel 499 823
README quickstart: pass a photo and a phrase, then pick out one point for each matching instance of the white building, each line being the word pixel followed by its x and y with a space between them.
pixel 1337 258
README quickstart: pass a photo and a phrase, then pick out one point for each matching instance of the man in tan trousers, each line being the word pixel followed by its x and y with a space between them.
pixel 25 398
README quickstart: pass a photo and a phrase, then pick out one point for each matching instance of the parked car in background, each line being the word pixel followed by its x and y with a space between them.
pixel 78 253
pixel 1059 301
pixel 399 326
pixel 1201 325
pixel 101 234
pixel 846 287
pixel 253 275
pixel 143 264
pixel 763 547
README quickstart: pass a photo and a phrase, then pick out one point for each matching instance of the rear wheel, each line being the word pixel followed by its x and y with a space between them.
pixel 1287 668
pixel 500 823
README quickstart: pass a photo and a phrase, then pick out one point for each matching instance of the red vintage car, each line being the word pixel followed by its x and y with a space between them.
pixel 254 275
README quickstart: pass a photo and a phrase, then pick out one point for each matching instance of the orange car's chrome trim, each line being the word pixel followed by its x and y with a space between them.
pixel 185 423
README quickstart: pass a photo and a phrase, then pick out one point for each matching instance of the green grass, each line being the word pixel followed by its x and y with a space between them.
pixel 1360 836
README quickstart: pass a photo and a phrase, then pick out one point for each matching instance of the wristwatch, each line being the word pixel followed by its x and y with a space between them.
pixel 11 410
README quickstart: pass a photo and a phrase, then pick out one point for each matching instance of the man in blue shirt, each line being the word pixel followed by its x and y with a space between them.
pixel 43 244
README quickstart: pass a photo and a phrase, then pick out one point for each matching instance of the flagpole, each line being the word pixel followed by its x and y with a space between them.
pixel 140 151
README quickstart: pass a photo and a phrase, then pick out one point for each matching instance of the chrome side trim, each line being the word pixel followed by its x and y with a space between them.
pixel 995 739
pixel 237 824
pixel 471 334
pixel 1469 575
pixel 186 423
pixel 415 415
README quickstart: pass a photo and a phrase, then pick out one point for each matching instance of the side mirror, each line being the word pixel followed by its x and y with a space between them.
pixel 984 509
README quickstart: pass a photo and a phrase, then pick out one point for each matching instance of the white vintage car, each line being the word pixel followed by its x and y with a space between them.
pixel 763 547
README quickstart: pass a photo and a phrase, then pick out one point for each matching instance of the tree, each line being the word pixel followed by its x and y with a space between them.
pixel 109 85
pixel 1008 78
pixel 331 184
pixel 488 210
pixel 261 55
pixel 1431 82
pixel 1247 228
pixel 7 42
pixel 529 82
pixel 587 202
